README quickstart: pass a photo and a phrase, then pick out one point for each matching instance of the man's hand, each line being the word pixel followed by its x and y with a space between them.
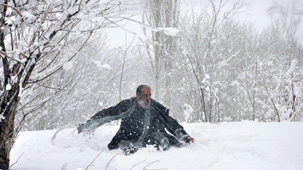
pixel 80 128
pixel 85 131
pixel 189 139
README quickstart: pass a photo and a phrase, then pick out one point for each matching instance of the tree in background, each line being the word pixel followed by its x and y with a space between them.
pixel 287 96
pixel 210 43
pixel 240 73
pixel 162 16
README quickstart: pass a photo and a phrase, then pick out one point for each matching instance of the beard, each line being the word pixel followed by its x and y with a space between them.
pixel 143 103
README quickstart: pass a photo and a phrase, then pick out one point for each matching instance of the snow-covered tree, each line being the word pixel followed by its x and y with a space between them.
pixel 287 22
pixel 210 43
pixel 33 36
pixel 162 18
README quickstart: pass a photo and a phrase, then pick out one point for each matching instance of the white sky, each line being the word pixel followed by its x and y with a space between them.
pixel 255 13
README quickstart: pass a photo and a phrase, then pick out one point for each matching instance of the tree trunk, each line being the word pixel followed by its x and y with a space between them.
pixel 7 133
pixel 6 138
pixel 276 110
pixel 8 105
pixel 162 14
pixel 157 66
pixel 157 23
pixel 203 103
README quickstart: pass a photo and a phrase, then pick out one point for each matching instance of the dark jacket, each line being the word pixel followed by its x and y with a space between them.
pixel 132 128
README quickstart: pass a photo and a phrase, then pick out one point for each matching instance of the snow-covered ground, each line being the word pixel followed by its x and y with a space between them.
pixel 228 146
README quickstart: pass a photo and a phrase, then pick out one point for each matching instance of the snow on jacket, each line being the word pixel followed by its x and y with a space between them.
pixel 138 125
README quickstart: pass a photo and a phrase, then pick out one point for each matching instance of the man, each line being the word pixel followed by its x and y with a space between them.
pixel 144 122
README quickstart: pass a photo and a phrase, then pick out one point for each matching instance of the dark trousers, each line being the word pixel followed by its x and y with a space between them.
pixel 161 141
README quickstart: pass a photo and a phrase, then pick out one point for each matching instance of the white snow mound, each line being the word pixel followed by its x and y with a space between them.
pixel 228 146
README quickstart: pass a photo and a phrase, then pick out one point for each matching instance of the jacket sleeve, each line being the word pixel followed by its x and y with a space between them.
pixel 116 112
pixel 111 111
pixel 172 125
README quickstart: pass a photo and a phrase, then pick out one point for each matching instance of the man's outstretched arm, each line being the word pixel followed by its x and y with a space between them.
pixel 119 111
pixel 175 128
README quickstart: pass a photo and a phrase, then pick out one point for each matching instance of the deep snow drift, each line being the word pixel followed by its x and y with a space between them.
pixel 228 146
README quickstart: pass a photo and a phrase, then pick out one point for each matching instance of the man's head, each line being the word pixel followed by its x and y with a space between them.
pixel 143 96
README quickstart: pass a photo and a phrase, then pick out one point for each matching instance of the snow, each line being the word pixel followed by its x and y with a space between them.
pixel 188 110
pixel 99 64
pixel 170 31
pixel 297 91
pixel 28 15
pixel 72 10
pixel 106 67
pixel 291 68
pixel 229 146
pixel 68 66
pixel 8 87
pixel 1 117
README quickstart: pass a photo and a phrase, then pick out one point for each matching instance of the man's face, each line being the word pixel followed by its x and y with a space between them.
pixel 144 97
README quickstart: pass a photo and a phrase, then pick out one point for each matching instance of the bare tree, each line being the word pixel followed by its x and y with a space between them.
pixel 210 45
pixel 32 37
pixel 161 15
pixel 287 20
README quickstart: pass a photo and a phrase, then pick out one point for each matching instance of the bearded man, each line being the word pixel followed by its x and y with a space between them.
pixel 144 122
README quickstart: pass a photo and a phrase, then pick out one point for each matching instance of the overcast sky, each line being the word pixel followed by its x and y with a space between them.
pixel 255 12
